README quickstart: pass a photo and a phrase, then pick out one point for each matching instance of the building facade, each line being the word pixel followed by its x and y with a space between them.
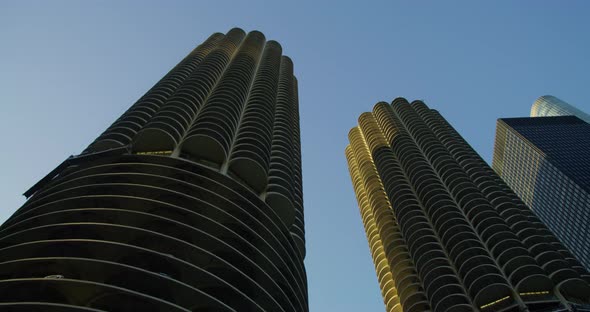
pixel 190 201
pixel 545 160
pixel 548 105
pixel 445 232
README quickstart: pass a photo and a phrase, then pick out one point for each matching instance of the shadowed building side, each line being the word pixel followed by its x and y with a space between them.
pixel 465 241
pixel 545 161
pixel 172 208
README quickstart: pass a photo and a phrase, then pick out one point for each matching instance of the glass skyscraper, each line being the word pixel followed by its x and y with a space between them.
pixel 548 105
pixel 546 160
pixel 445 232
pixel 190 201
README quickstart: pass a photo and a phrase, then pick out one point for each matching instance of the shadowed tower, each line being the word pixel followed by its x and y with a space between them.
pixel 190 201
pixel 546 161
pixel 445 232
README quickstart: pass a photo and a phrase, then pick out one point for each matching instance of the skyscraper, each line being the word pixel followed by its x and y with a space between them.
pixel 445 232
pixel 190 201
pixel 548 105
pixel 546 161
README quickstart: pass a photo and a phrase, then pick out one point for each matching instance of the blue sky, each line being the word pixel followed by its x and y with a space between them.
pixel 70 68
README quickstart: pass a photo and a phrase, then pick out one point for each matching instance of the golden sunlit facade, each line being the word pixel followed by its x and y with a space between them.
pixel 443 232
pixel 383 234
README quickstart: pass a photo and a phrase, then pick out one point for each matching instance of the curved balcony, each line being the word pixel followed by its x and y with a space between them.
pixel 403 273
pixel 533 240
pixel 155 98
pixel 250 153
pixel 43 307
pixel 170 123
pixel 203 244
pixel 223 108
pixel 97 296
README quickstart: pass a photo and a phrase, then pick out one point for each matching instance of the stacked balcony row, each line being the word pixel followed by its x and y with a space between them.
pixel 513 237
pixel 231 104
pixel 384 273
pixel 213 129
pixel 283 191
pixel 398 248
pixel 389 251
pixel 399 164
pixel 297 228
pixel 470 240
pixel 170 123
pixel 124 129
pixel 453 200
pixel 148 233
pixel 537 246
pixel 438 275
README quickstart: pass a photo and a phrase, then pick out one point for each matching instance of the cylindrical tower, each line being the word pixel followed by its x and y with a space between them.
pixel 446 234
pixel 190 201
pixel 548 105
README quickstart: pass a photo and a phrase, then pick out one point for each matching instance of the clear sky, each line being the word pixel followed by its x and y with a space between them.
pixel 69 68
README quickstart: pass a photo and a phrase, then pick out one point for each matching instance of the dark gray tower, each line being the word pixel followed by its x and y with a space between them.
pixel 190 201
pixel 546 161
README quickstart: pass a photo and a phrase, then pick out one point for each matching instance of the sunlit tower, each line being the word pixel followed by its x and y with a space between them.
pixel 444 231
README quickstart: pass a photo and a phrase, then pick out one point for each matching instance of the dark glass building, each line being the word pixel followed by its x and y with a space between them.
pixel 546 161
pixel 190 201
pixel 445 232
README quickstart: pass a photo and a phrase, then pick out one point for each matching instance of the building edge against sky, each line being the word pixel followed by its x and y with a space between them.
pixel 191 200
pixel 445 232
pixel 549 105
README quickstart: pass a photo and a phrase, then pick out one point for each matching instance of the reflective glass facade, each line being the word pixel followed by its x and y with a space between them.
pixel 190 201
pixel 548 105
pixel 546 160
pixel 445 232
